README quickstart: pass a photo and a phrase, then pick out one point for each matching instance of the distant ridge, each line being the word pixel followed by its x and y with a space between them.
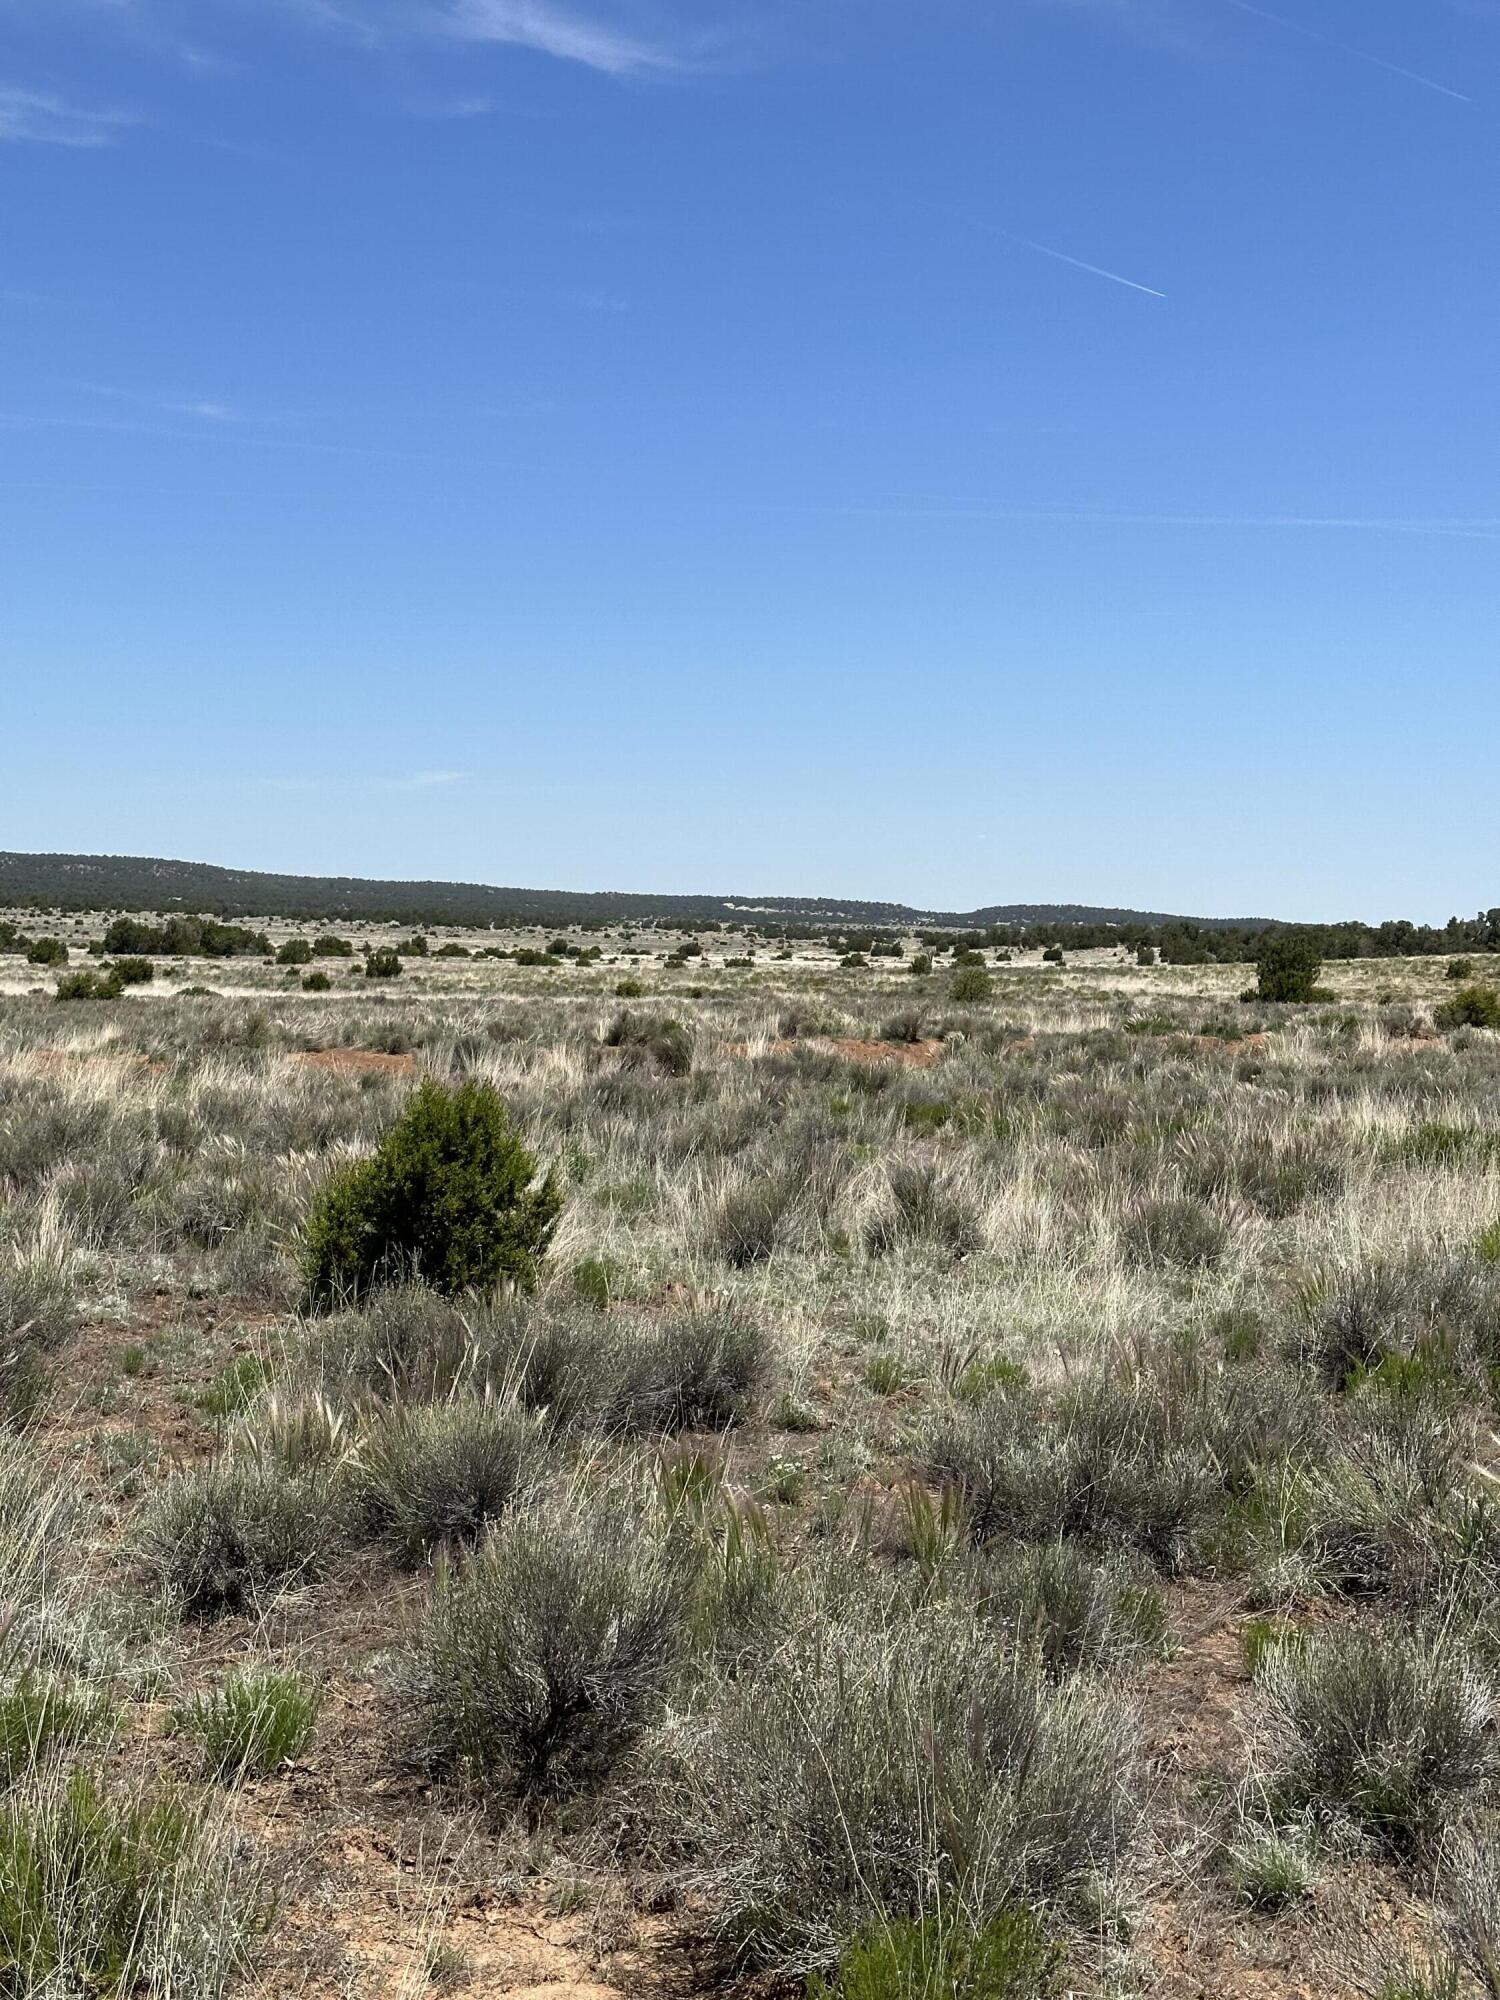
pixel 142 883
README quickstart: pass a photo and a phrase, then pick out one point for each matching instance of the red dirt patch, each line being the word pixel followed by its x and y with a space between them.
pixel 357 1062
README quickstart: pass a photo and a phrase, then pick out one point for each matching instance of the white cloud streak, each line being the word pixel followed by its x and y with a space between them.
pixel 39 117
pixel 554 31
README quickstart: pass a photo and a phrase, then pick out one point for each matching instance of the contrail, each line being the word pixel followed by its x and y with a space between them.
pixel 1348 49
pixel 1097 270
pixel 1477 530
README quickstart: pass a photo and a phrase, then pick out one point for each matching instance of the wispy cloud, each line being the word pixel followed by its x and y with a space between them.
pixel 208 409
pixel 40 117
pixel 1346 48
pixel 556 31
pixel 409 781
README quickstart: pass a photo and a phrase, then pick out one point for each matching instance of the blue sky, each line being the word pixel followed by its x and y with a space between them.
pixel 974 451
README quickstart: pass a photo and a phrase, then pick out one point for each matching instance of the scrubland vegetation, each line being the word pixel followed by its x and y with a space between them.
pixel 630 1475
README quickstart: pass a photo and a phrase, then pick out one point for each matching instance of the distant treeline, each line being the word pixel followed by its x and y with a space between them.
pixel 132 883
pixel 192 902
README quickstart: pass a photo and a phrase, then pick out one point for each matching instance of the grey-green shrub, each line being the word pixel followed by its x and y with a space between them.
pixel 867 1771
pixel 444 1472
pixel 541 1658
pixel 1070 1610
pixel 224 1537
pixel 1397 1730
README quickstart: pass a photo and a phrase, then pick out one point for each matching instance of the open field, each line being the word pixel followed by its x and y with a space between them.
pixel 1024 1464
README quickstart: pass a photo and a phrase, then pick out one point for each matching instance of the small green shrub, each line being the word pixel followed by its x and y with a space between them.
pixel 1007 1958
pixel 123 1892
pixel 252 1722
pixel 651 1041
pixel 1271 1869
pixel 594 1281
pixel 450 1195
pixel 1287 967
pixel 89 986
pixel 970 985
pixel 133 971
pixel 1459 968
pixel 317 982
pixel 235 1387
pixel 47 951
pixel 296 951
pixel 383 963
pixel 43 1715
pixel 542 1658
pixel 629 989
pixel 1470 1007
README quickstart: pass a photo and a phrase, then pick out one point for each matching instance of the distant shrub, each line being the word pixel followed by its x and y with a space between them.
pixel 1470 1007
pixel 629 989
pixel 1181 1232
pixel 316 982
pixel 453 949
pixel 1394 1729
pixel 327 945
pixel 383 963
pixel 1287 965
pixel 296 951
pixel 651 1041
pixel 90 986
pixel 133 971
pixel 1053 955
pixel 1145 954
pixel 46 951
pixel 1459 968
pixel 252 1722
pixel 697 1372
pixel 450 1195
pixel 414 946
pixel 541 1659
pixel 970 984
pixel 921 964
